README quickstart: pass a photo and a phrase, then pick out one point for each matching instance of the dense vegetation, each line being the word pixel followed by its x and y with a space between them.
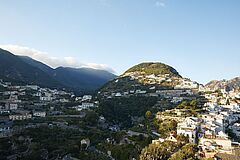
pixel 169 151
pixel 190 107
pixel 120 110
pixel 2 88
pixel 154 68
pixel 54 142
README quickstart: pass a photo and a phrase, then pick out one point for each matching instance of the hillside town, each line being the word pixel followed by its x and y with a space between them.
pixel 215 131
pixel 196 114
pixel 31 102
pixel 150 85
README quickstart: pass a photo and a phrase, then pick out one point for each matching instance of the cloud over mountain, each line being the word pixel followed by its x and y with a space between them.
pixel 52 61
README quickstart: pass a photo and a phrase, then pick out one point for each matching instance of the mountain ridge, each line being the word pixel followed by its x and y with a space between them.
pixel 12 67
pixel 230 84
pixel 27 70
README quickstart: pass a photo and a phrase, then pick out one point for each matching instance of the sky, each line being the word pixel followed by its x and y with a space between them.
pixel 199 38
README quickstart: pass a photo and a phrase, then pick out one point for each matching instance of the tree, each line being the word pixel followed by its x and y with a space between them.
pixel 193 103
pixel 123 152
pixel 148 114
pixel 167 126
pixel 120 110
pixel 91 118
pixel 159 152
pixel 182 139
pixel 187 152
pixel 182 105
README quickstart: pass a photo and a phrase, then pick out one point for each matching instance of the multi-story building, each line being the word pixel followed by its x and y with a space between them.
pixel 20 116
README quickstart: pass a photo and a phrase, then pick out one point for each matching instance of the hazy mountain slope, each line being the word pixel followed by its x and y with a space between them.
pixel 74 78
pixel 82 78
pixel 37 64
pixel 28 70
pixel 13 67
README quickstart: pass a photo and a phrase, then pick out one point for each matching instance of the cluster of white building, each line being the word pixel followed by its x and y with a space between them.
pixel 10 104
pixel 223 96
pixel 85 106
pixel 149 78
pixel 47 95
pixel 209 130
pixel 181 83
pixel 176 95
pixel 87 103
pixel 186 84
pixel 14 106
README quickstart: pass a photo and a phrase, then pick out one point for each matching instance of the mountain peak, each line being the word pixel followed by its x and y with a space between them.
pixel 155 68
pixel 145 75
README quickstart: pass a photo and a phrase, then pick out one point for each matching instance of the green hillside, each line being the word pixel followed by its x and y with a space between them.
pixel 154 68
pixel 141 81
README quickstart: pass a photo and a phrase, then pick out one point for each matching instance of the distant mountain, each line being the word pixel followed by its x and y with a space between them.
pixel 145 75
pixel 82 78
pixel 13 68
pixel 76 78
pixel 27 70
pixel 224 84
pixel 45 68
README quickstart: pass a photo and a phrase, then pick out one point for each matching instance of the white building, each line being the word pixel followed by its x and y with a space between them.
pixel 87 97
pixel 118 95
pixel 141 91
pixel 39 114
pixel 85 106
pixel 5 128
pixel 189 128
pixel 46 98
pixel 88 105
pixel 78 98
pixel 186 84
pixel 215 142
pixel 63 100
pixel 33 87
pixel 20 116
pixel 177 99
pixel 85 142
pixel 11 106
pixel 38 94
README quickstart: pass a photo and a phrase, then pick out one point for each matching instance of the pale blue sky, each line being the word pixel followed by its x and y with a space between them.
pixel 200 38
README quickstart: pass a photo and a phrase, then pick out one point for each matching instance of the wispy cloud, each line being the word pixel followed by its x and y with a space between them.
pixel 54 62
pixel 159 3
pixel 106 3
